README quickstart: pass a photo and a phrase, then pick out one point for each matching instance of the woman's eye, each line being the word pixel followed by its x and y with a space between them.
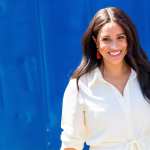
pixel 122 37
pixel 105 39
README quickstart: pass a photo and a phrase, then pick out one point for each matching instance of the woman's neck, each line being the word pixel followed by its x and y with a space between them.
pixel 114 71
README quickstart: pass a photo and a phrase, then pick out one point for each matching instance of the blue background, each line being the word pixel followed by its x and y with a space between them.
pixel 40 46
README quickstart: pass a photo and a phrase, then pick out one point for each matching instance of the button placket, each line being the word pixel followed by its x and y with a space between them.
pixel 126 106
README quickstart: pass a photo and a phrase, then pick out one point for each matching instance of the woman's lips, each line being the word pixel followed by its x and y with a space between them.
pixel 115 53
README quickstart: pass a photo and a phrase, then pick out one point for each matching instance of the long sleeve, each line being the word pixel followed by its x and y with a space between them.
pixel 72 123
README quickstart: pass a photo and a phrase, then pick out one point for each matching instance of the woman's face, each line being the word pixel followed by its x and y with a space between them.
pixel 112 43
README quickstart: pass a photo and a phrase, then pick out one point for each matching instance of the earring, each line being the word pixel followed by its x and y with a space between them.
pixel 98 55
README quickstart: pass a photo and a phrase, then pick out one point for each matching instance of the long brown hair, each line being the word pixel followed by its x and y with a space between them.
pixel 135 57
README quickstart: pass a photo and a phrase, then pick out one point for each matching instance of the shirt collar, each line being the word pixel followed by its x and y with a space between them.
pixel 98 77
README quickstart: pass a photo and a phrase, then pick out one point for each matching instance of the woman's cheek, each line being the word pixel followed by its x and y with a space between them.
pixel 103 49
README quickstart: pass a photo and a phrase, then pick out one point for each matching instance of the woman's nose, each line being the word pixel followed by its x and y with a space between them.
pixel 114 45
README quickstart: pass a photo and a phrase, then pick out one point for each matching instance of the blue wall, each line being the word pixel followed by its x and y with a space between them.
pixel 40 46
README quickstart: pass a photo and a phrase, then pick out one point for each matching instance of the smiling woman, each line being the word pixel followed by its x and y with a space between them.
pixel 107 100
pixel 112 43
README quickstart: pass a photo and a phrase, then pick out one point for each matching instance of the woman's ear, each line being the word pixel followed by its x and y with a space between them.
pixel 94 39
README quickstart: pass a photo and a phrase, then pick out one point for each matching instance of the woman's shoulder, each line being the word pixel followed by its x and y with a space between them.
pixel 85 79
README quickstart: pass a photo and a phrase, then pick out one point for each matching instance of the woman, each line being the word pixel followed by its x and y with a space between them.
pixel 107 101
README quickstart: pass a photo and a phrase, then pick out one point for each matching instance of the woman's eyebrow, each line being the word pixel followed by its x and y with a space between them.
pixel 108 36
pixel 121 34
pixel 105 36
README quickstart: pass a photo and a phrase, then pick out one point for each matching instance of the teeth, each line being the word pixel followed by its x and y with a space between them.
pixel 114 53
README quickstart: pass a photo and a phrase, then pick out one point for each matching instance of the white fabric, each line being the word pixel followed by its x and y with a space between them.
pixel 104 118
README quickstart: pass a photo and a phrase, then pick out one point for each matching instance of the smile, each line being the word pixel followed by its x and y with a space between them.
pixel 115 53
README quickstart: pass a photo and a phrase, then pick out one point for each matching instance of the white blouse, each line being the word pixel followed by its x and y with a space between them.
pixel 104 118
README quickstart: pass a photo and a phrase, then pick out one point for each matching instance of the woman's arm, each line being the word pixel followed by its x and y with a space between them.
pixel 72 123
